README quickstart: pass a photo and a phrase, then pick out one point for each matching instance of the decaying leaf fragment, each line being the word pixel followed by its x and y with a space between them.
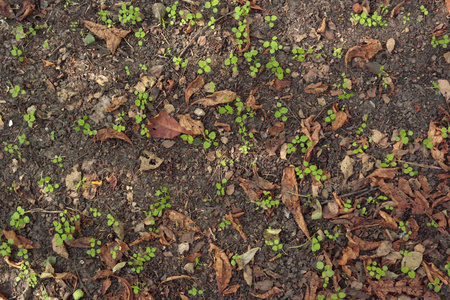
pixel 113 36
pixel 193 88
pixel 150 162
pixel 311 129
pixel 366 50
pixel 181 220
pixel 20 240
pixel 110 133
pixel 316 88
pixel 342 117
pixel 289 195
pixel 251 101
pixel 347 168
pixel 220 97
pixel 164 126
pixel 222 266
pixel 196 127
pixel 254 188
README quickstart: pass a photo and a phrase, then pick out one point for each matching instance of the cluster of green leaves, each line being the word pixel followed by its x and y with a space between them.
pixel 66 226
pixel 210 137
pixel 376 271
pixel 129 14
pixel 300 53
pixel 445 131
pixel 343 87
pixel 275 67
pixel 267 201
pixel 281 112
pixel 178 61
pixel 82 124
pixel 5 248
pixel 30 118
pixel 275 245
pixel 359 147
pixel 204 66
pixel 142 99
pixel 48 187
pixel 327 272
pixel 331 116
pixel 310 169
pixel 172 12
pixel 189 17
pixel 140 259
pixel 194 292
pixel 407 169
pixel 57 160
pixel 161 203
pixel 404 226
pixel 432 223
pixel 443 42
pixel 232 61
pixel 19 220
pixel 105 18
pixel 241 11
pixel 361 127
pixel 301 141
pixel 337 52
pixel 221 187
pixel 212 4
pixel 366 20
pixel 315 243
pixel 11 148
pixel 239 32
pixel 271 20
pixel 251 56
pixel 331 236
pixel 389 161
pixel 404 136
pixel 17 52
pixel 93 243
pixel 435 285
pixel 28 274
pixel 406 18
pixel 224 224
pixel 273 45
pixel 140 34
pixel 95 212
pixel 16 91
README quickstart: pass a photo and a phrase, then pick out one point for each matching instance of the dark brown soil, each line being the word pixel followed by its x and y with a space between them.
pixel 83 79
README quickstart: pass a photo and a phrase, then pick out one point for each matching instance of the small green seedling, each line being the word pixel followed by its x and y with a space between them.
pixel 93 252
pixel 95 212
pixel 273 45
pixel 178 61
pixel 375 271
pixel 140 35
pixel 112 221
pixel 30 118
pixel 232 61
pixel 45 183
pixel 407 169
pixel 83 124
pixel 17 52
pixel 315 243
pixel 404 136
pixel 16 91
pixel 406 18
pixel 104 14
pixel 270 20
pixel 221 187
pixel 443 42
pixel 300 53
pixel 337 52
pixel 209 139
pixel 18 219
pixel 389 161
pixel 129 14
pixel 57 160
pixel 140 259
pixel 224 224
pixel 194 292
pixel 281 112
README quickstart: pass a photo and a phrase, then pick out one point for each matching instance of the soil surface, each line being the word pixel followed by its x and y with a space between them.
pixel 227 207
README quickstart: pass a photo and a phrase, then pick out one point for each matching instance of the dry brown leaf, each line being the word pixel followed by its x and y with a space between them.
pixel 5 9
pixel 347 168
pixel 395 11
pixel 193 256
pixel 349 253
pixel 164 126
pixel 20 240
pixel 311 129
pixel 269 294
pixel 172 278
pixel 222 266
pixel 289 195
pixel 47 63
pixel 129 290
pixel 395 194
pixel 278 84
pixel 444 88
pixel 113 247
pixel 113 36
pixel 254 188
pixel 181 220
pixel 193 88
pixel 59 249
pixel 196 127
pixel 80 243
pixel 110 133
pixel 66 276
pixel 316 88
pixel 389 220
pixel 116 102
pixel 17 265
pixel 251 101
pixel 146 237
pixel 341 117
pixel 247 35
pixel 27 7
pixel 323 26
pixel 232 289
pixel 151 162
pixel 225 126
pixel 220 97
pixel 386 173
pixel 236 225
pixel 276 129
pixel 366 51
pixel 105 286
pixel 447 3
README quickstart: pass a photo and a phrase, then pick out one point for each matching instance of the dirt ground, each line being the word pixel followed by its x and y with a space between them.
pixel 301 192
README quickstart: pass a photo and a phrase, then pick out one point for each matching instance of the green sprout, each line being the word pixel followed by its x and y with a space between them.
pixel 221 187
pixel 45 183
pixel 30 118
pixel 129 15
pixel 444 41
pixel 18 219
pixel 204 66
pixel 16 91
pixel 404 136
pixel 281 112
pixel 270 20
pixel 57 159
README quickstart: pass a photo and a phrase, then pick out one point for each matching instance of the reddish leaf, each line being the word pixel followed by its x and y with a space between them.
pixel 181 220
pixel 113 36
pixel 386 173
pixel 147 237
pixel 232 289
pixel 341 117
pixel 192 257
pixel 255 188
pixel 220 97
pixel 105 286
pixel 164 126
pixel 80 243
pixel 279 84
pixel 276 129
pixel 110 133
pixel 107 256
pixel 251 101
pixel 225 126
pixel 289 195
pixel 129 290
pixel 20 240
pixel 222 266
pixel 236 225
pixel 5 9
pixel 366 51
pixel 193 88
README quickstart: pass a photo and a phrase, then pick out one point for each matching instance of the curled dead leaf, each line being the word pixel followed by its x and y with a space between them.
pixel 196 127
pixel 193 88
pixel 181 220
pixel 110 133
pixel 316 88
pixel 366 50
pixel 164 126
pixel 222 267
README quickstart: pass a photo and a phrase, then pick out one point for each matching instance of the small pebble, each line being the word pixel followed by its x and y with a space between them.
pixel 199 112
pixel 169 108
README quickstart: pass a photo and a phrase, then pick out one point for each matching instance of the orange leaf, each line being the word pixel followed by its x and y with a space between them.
pixel 316 88
pixel 311 129
pixel 366 51
pixel 276 129
pixel 27 8
pixel 110 133
pixel 222 266
pixel 164 126
pixel 251 101
pixel 289 195
pixel 236 225
pixel 111 253
pixel 146 237
pixel 116 102
pixel 193 88
pixel 113 36
pixel 220 97
pixel 232 289
pixel 341 118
